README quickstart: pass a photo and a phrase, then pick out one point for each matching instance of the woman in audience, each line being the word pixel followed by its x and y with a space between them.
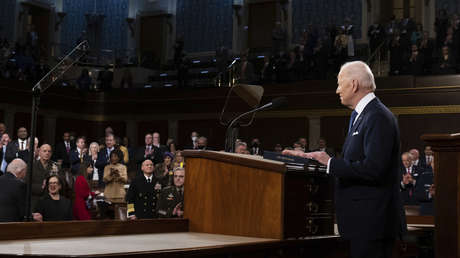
pixel 93 173
pixel 83 195
pixel 115 176
pixel 54 206
pixel 164 171
pixel 178 159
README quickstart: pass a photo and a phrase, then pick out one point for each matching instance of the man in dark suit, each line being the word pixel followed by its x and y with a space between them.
pixel 19 147
pixel 409 176
pixel 78 155
pixel 156 143
pixel 368 204
pixel 63 149
pixel 416 159
pixel 4 141
pixel 192 143
pixel 13 192
pixel 103 157
pixel 149 151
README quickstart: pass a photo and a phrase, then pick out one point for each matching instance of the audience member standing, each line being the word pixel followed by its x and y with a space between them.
pixel 171 201
pixel 19 147
pixel 13 192
pixel 4 141
pixel 63 148
pixel 142 195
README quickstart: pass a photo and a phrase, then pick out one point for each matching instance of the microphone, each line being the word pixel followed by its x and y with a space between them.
pixel 275 103
pixel 232 132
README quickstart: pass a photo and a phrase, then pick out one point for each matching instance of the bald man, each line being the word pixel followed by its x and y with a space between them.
pixel 142 194
pixel 368 204
pixel 43 167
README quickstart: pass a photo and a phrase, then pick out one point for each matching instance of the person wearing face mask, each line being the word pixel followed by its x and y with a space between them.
pixel 202 143
pixel 256 149
pixel 54 206
pixel 193 143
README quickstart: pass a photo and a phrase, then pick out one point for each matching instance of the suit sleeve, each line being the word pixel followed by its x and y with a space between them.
pixel 101 161
pixel 378 147
pixel 10 152
pixel 74 159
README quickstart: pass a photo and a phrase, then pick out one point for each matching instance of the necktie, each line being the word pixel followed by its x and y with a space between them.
pixel 67 147
pixel 352 119
pixel 148 180
pixel 408 170
pixel 22 145
pixel 3 168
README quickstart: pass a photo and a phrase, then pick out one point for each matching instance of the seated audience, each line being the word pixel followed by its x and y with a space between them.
pixel 13 192
pixel 142 195
pixel 446 63
pixel 171 201
pixel 115 176
pixel 54 206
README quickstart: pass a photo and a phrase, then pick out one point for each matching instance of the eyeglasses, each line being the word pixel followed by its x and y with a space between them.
pixel 179 176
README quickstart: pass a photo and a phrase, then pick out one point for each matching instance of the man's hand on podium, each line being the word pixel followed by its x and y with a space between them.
pixel 320 156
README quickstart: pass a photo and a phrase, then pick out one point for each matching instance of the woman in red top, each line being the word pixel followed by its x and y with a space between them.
pixel 82 193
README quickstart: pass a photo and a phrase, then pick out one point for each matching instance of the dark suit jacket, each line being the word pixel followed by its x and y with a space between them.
pixel 12 198
pixel 368 203
pixel 408 191
pixel 60 152
pixel 422 193
pixel 156 157
pixel 75 161
pixel 12 152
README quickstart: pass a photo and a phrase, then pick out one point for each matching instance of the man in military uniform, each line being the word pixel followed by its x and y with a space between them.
pixel 142 194
pixel 170 203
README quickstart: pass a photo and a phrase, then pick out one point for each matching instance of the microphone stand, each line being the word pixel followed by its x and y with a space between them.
pixel 234 128
pixel 40 87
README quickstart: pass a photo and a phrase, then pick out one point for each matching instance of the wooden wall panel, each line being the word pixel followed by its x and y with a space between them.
pixel 413 126
pixel 262 18
pixel 211 129
pixel 334 129
pixel 271 131
pixel 144 127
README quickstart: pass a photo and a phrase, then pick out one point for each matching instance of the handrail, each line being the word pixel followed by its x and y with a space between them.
pixel 377 50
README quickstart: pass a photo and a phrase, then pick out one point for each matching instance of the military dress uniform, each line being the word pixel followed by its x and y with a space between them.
pixel 169 198
pixel 142 198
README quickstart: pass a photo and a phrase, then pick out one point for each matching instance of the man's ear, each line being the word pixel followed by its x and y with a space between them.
pixel 355 86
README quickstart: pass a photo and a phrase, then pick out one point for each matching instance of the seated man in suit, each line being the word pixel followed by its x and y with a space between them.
pixel 171 201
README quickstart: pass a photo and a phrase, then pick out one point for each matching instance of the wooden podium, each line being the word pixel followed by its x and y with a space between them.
pixel 245 195
pixel 446 149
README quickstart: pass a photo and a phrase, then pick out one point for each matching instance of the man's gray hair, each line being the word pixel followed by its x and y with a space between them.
pixel 360 71
pixel 16 166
